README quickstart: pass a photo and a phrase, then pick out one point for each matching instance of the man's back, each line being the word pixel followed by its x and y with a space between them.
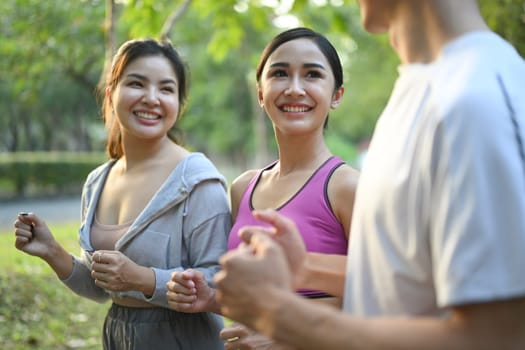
pixel 436 222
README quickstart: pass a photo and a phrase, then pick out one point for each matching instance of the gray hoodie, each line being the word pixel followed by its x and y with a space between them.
pixel 185 225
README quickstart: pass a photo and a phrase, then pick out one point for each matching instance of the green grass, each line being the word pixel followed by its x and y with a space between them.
pixel 36 310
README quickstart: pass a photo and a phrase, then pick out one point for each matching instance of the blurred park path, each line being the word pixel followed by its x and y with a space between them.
pixel 66 209
pixel 52 210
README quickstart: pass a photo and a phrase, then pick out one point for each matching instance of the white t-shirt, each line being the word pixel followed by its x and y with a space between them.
pixel 439 218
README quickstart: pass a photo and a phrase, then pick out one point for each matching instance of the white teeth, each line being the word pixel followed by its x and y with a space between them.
pixel 147 115
pixel 295 109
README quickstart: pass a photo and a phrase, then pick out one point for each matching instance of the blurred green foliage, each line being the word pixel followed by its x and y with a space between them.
pixel 52 55
pixel 46 172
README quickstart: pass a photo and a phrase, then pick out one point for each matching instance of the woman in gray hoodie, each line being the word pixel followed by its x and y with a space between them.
pixel 153 208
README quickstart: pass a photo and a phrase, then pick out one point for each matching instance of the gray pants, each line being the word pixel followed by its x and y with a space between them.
pixel 159 328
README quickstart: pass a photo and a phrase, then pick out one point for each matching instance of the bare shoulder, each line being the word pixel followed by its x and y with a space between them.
pixel 345 179
pixel 237 189
pixel 240 183
pixel 341 194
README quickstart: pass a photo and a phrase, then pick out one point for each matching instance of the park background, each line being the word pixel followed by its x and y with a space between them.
pixel 53 54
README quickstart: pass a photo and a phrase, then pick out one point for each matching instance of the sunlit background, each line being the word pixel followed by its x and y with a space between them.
pixel 52 56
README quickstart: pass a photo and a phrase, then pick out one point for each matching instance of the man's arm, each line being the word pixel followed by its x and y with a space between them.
pixel 494 325
pixel 255 288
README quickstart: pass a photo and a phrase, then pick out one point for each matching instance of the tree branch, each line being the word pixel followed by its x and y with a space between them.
pixel 172 19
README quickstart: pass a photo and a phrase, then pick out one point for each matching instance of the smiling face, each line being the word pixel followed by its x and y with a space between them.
pixel 296 87
pixel 145 100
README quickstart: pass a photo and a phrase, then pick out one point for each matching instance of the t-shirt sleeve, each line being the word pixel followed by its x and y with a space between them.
pixel 477 226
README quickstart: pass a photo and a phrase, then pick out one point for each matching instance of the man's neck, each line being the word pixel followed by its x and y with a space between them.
pixel 422 28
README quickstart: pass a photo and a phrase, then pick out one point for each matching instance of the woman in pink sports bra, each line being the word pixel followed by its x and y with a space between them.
pixel 299 79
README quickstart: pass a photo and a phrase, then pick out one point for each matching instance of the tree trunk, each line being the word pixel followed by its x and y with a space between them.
pixel 110 39
pixel 260 134
pixel 12 143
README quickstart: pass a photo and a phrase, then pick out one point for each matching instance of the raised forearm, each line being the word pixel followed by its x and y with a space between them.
pixel 144 281
pixel 324 272
pixel 213 305
pixel 60 261
pixel 322 328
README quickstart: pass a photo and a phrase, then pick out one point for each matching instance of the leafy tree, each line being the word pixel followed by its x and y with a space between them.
pixel 48 48
pixel 53 54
